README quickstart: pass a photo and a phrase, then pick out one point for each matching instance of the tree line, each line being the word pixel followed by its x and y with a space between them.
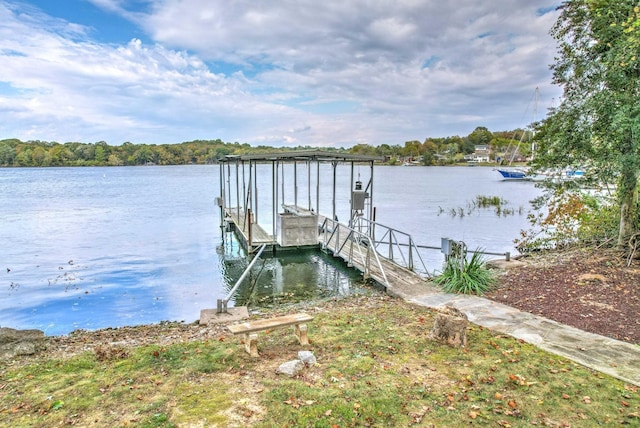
pixel 432 151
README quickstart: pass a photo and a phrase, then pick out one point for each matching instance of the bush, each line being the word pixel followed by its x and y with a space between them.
pixel 567 217
pixel 466 276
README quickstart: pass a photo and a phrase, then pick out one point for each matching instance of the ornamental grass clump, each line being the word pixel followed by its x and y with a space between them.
pixel 466 276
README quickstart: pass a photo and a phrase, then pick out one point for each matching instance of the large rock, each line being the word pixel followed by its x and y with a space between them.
pixel 450 327
pixel 291 368
pixel 307 358
pixel 20 342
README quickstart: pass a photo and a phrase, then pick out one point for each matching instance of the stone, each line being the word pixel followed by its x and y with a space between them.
pixel 20 342
pixel 450 327
pixel 291 368
pixel 307 357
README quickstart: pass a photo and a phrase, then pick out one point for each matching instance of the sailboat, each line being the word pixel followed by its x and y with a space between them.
pixel 519 173
pixel 514 173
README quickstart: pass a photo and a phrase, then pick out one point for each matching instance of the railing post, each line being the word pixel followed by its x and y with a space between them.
pixel 410 253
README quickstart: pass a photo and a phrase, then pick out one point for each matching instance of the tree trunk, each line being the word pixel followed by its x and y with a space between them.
pixel 450 326
pixel 627 194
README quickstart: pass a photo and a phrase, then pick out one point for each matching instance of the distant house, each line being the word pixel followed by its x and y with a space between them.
pixel 482 153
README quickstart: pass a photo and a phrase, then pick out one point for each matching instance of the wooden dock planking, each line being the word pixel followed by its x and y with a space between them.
pixel 258 235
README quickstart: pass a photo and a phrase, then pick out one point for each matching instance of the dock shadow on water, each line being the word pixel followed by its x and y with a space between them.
pixel 291 277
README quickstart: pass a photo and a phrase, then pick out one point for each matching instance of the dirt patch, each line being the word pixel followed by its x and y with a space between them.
pixel 593 290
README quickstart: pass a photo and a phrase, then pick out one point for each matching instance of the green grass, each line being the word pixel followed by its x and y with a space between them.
pixel 377 367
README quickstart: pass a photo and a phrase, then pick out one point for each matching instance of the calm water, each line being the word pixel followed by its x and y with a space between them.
pixel 97 247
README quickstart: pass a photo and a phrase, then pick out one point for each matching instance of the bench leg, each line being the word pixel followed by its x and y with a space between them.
pixel 301 334
pixel 251 344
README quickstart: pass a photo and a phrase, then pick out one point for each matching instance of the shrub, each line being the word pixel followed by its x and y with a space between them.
pixel 466 276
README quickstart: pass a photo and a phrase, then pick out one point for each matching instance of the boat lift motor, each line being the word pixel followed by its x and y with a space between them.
pixel 358 197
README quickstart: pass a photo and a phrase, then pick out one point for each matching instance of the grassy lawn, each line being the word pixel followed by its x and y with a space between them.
pixel 376 367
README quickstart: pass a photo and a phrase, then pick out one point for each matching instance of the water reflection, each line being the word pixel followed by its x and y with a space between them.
pixel 290 276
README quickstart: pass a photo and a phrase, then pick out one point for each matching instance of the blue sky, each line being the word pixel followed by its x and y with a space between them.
pixel 280 73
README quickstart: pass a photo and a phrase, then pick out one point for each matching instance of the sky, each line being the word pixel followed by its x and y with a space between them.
pixel 331 73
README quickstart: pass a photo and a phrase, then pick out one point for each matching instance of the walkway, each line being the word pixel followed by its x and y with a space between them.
pixel 613 357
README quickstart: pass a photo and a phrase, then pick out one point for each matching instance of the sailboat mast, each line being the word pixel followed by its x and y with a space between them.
pixel 535 117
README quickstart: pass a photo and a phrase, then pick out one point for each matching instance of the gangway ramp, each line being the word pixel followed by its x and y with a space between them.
pixel 358 250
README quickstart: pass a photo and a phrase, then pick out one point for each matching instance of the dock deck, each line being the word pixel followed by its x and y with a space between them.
pixel 250 237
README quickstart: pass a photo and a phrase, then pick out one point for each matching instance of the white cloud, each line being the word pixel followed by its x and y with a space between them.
pixel 287 72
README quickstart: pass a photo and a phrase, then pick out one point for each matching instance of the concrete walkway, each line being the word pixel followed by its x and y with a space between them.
pixel 613 357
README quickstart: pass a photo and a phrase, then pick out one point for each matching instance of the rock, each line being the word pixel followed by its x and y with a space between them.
pixel 291 368
pixel 20 342
pixel 307 357
pixel 450 327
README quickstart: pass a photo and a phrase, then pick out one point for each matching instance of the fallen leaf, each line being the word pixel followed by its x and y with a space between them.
pixel 586 399
pixel 566 396
pixel 328 412
pixel 512 404
pixel 473 414
pixel 498 396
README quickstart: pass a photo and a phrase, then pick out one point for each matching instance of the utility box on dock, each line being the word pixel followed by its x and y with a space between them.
pixel 297 229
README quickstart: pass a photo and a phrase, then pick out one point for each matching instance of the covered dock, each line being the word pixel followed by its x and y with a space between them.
pixel 293 195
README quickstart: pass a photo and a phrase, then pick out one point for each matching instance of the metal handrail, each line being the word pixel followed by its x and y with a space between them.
pixel 331 228
pixel 395 251
pixel 222 303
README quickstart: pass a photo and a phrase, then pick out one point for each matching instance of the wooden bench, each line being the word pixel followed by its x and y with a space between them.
pixel 251 328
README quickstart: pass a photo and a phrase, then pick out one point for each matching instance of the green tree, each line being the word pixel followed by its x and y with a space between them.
pixel 102 152
pixel 7 154
pixel 598 121
pixel 479 136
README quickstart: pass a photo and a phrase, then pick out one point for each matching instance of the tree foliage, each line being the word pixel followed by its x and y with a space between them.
pixel 433 151
pixel 597 124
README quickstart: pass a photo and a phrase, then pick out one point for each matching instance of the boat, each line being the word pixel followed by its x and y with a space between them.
pixel 574 173
pixel 519 173
pixel 514 173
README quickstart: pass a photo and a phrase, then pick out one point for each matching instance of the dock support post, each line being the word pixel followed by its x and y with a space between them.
pixel 249 237
pixel 333 165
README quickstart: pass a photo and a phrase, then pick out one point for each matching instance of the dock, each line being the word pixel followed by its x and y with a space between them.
pixel 296 222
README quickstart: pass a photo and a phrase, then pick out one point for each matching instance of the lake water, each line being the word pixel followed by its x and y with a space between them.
pixel 104 247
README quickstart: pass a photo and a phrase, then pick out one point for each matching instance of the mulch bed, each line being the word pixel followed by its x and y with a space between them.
pixel 589 289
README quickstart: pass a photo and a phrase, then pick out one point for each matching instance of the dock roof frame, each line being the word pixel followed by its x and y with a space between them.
pixel 311 155
pixel 277 158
